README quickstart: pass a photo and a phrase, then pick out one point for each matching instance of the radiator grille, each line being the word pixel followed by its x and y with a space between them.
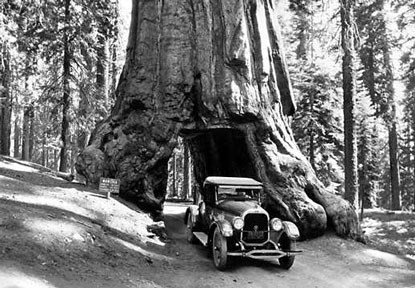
pixel 255 229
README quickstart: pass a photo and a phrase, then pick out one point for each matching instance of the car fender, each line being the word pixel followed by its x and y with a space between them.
pixel 193 210
pixel 291 230
pixel 224 226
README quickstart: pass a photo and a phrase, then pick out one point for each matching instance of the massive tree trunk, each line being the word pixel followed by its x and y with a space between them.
pixel 103 69
pixel 412 136
pixel 114 46
pixel 213 72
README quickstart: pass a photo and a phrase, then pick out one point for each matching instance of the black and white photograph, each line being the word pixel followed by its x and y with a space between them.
pixel 207 143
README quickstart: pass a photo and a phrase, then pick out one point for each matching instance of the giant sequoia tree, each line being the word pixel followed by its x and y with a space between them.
pixel 213 72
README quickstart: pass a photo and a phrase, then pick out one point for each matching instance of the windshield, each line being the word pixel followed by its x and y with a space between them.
pixel 237 193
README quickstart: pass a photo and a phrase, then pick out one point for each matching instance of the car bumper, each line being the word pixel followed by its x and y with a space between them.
pixel 268 251
pixel 263 254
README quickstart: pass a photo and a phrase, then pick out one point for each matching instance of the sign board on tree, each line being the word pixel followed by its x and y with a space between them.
pixel 109 185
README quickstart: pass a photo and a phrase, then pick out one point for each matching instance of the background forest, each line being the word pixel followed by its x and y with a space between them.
pixel 60 61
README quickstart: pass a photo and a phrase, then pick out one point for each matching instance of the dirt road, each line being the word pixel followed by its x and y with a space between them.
pixel 56 234
pixel 325 262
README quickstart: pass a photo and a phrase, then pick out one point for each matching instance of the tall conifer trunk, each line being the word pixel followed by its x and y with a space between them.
pixel 63 164
pixel 312 134
pixel 28 133
pixel 186 193
pixel 394 165
pixel 17 133
pixel 349 95
pixel 5 100
pixel 391 121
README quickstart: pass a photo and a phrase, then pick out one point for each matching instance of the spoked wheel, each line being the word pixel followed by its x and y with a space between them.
pixel 191 238
pixel 285 243
pixel 219 250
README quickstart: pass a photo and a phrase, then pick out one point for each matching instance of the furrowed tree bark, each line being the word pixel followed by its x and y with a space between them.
pixel 31 132
pixel 391 121
pixel 103 69
pixel 17 133
pixel 5 100
pixel 413 152
pixel 349 95
pixel 394 163
pixel 187 183
pixel 214 73
pixel 114 46
pixel 312 135
pixel 44 150
pixel 27 111
pixel 64 157
pixel 26 132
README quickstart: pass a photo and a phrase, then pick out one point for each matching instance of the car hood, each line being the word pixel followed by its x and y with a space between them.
pixel 239 207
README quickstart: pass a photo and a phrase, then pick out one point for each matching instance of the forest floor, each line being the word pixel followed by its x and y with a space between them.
pixel 391 231
pixel 55 233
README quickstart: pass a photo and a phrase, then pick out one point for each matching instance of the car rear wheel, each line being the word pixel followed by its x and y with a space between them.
pixel 191 238
pixel 285 244
pixel 219 250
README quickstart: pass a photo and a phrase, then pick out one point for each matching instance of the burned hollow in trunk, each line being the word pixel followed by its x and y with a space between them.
pixel 220 152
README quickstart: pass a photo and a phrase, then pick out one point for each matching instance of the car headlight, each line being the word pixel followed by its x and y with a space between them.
pixel 238 223
pixel 276 224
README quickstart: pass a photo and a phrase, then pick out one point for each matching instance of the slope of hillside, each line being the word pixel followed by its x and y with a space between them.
pixel 54 232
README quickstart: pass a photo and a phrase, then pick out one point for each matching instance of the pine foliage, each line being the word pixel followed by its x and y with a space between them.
pixel 37 30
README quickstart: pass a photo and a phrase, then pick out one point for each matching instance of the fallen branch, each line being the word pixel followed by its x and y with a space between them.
pixel 65 176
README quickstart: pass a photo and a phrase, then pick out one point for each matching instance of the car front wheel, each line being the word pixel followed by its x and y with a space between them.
pixel 190 225
pixel 219 250
pixel 285 244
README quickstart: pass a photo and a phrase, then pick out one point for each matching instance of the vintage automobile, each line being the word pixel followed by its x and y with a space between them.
pixel 231 222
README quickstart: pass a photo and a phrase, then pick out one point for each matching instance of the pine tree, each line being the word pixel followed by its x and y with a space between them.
pixel 317 123
pixel 317 126
pixel 7 16
pixel 378 77
pixel 60 62
pixel 406 22
pixel 369 145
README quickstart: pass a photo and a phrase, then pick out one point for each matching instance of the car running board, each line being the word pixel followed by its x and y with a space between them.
pixel 203 237
pixel 294 251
